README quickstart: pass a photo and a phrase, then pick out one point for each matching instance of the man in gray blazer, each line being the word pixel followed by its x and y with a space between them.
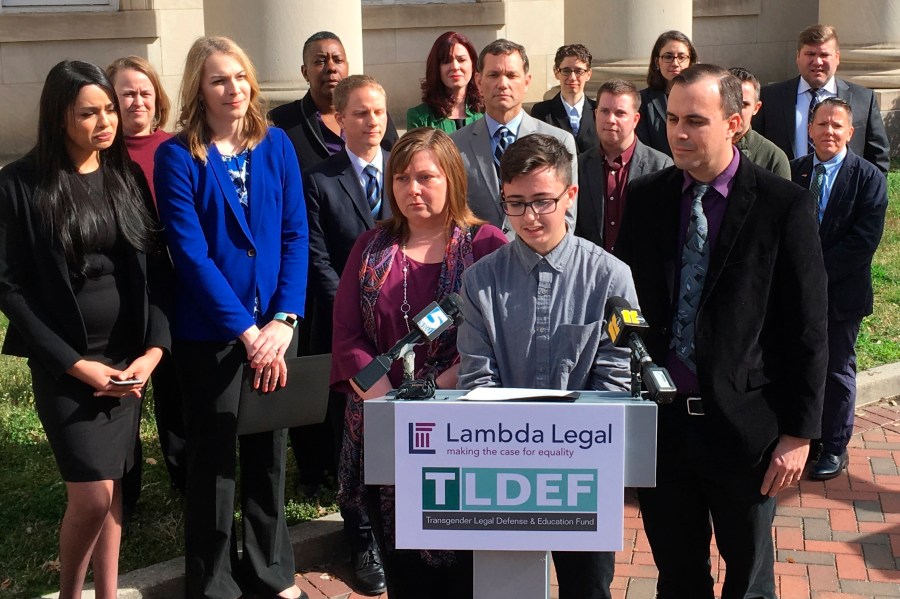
pixel 605 171
pixel 503 77
pixel 786 106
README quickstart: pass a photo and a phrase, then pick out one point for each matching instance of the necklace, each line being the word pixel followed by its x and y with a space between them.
pixel 404 307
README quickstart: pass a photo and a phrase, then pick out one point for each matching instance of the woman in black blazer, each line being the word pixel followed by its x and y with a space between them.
pixel 78 272
pixel 672 53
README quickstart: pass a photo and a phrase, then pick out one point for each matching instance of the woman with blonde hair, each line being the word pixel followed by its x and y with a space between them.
pixel 231 200
pixel 414 257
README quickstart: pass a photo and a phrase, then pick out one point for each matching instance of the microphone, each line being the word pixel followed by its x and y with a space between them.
pixel 626 327
pixel 427 326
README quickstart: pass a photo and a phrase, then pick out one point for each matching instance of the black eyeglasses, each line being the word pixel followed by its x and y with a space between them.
pixel 669 57
pixel 566 71
pixel 517 208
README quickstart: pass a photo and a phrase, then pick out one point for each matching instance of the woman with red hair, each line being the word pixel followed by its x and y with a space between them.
pixel 450 98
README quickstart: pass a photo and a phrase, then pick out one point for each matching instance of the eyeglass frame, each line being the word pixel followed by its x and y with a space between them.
pixel 526 205
pixel 669 58
pixel 577 72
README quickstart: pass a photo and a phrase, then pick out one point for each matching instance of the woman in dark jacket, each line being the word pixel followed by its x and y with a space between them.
pixel 79 269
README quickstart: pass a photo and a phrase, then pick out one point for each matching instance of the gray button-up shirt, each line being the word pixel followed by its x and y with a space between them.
pixel 538 321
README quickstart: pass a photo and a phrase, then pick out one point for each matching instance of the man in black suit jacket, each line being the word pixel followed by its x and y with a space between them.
pixel 571 110
pixel 620 157
pixel 310 122
pixel 784 116
pixel 342 202
pixel 852 197
pixel 749 354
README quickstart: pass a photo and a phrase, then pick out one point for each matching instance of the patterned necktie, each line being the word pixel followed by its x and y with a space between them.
pixel 574 121
pixel 504 138
pixel 373 193
pixel 816 186
pixel 694 263
pixel 816 96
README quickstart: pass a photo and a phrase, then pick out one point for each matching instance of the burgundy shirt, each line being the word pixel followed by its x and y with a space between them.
pixel 714 203
pixel 142 149
pixel 616 182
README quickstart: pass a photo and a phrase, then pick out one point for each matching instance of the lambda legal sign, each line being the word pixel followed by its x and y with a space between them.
pixel 524 476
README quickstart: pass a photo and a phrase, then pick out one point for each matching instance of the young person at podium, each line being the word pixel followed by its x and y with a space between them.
pixel 534 311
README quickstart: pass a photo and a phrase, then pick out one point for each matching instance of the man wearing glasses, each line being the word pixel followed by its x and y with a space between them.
pixel 503 78
pixel 571 110
pixel 534 312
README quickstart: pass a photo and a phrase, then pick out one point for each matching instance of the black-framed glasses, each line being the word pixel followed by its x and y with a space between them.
pixel 517 208
pixel 566 71
pixel 669 57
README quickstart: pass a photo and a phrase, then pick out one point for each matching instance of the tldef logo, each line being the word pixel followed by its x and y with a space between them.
pixel 509 490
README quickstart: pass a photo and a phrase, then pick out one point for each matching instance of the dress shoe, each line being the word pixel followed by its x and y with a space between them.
pixel 829 466
pixel 368 573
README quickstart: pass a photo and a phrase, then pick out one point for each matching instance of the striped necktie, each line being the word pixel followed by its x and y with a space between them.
pixel 694 264
pixel 817 186
pixel 373 191
pixel 504 138
pixel 816 96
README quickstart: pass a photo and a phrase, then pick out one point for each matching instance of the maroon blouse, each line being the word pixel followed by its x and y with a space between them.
pixel 142 149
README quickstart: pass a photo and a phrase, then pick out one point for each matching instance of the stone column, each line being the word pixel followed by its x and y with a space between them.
pixel 869 32
pixel 620 35
pixel 273 31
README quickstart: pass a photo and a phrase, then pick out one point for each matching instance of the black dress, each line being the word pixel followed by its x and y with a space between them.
pixel 93 438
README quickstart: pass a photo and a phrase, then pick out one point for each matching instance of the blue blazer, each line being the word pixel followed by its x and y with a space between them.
pixel 222 262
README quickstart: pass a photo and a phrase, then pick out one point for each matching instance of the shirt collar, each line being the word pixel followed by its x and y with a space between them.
pixel 723 181
pixel 622 159
pixel 836 160
pixel 830 86
pixel 557 258
pixel 359 164
pixel 512 125
pixel 578 107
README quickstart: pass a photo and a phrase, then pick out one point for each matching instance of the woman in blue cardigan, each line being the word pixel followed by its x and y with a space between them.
pixel 231 201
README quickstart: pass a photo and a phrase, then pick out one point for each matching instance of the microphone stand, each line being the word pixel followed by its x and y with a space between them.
pixel 636 379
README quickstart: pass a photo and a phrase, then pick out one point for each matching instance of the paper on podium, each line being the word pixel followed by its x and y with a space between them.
pixel 517 394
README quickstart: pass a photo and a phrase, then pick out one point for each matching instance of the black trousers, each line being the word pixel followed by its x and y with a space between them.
pixel 210 375
pixel 584 574
pixel 840 385
pixel 690 500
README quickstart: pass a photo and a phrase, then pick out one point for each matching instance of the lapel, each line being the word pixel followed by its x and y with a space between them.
pixel 587 131
pixel 638 161
pixel 839 191
pixel 656 103
pixel 215 164
pixel 481 150
pixel 739 203
pixel 558 114
pixel 843 90
pixel 788 103
pixel 595 184
pixel 350 184
pixel 312 123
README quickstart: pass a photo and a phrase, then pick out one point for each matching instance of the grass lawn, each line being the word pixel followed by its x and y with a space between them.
pixel 33 496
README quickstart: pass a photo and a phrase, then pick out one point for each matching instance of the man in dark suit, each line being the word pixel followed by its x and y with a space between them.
pixel 310 122
pixel 729 275
pixel 605 171
pixel 503 78
pixel 344 198
pixel 571 110
pixel 786 106
pixel 852 201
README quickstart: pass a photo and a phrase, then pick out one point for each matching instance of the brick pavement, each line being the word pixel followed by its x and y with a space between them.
pixel 838 539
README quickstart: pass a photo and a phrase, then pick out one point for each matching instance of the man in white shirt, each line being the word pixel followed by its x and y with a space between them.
pixel 571 110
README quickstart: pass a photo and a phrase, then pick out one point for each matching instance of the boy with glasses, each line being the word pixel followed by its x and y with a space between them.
pixel 534 312
pixel 571 110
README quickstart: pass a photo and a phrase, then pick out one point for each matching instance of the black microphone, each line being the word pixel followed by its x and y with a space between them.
pixel 626 327
pixel 428 326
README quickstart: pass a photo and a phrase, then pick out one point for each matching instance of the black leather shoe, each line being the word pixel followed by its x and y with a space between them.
pixel 829 466
pixel 368 573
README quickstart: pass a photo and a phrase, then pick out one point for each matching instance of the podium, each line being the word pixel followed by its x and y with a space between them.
pixel 511 480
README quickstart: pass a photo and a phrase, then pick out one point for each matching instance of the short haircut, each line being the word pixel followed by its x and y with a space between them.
pixel 502 47
pixel 448 159
pixel 142 65
pixel 350 84
pixel 835 102
pixel 729 87
pixel 745 76
pixel 620 87
pixel 318 37
pixel 534 152
pixel 655 80
pixel 579 51
pixel 815 35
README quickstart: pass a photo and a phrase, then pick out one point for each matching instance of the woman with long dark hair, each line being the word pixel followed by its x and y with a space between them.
pixel 450 98
pixel 230 196
pixel 77 258
pixel 672 53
